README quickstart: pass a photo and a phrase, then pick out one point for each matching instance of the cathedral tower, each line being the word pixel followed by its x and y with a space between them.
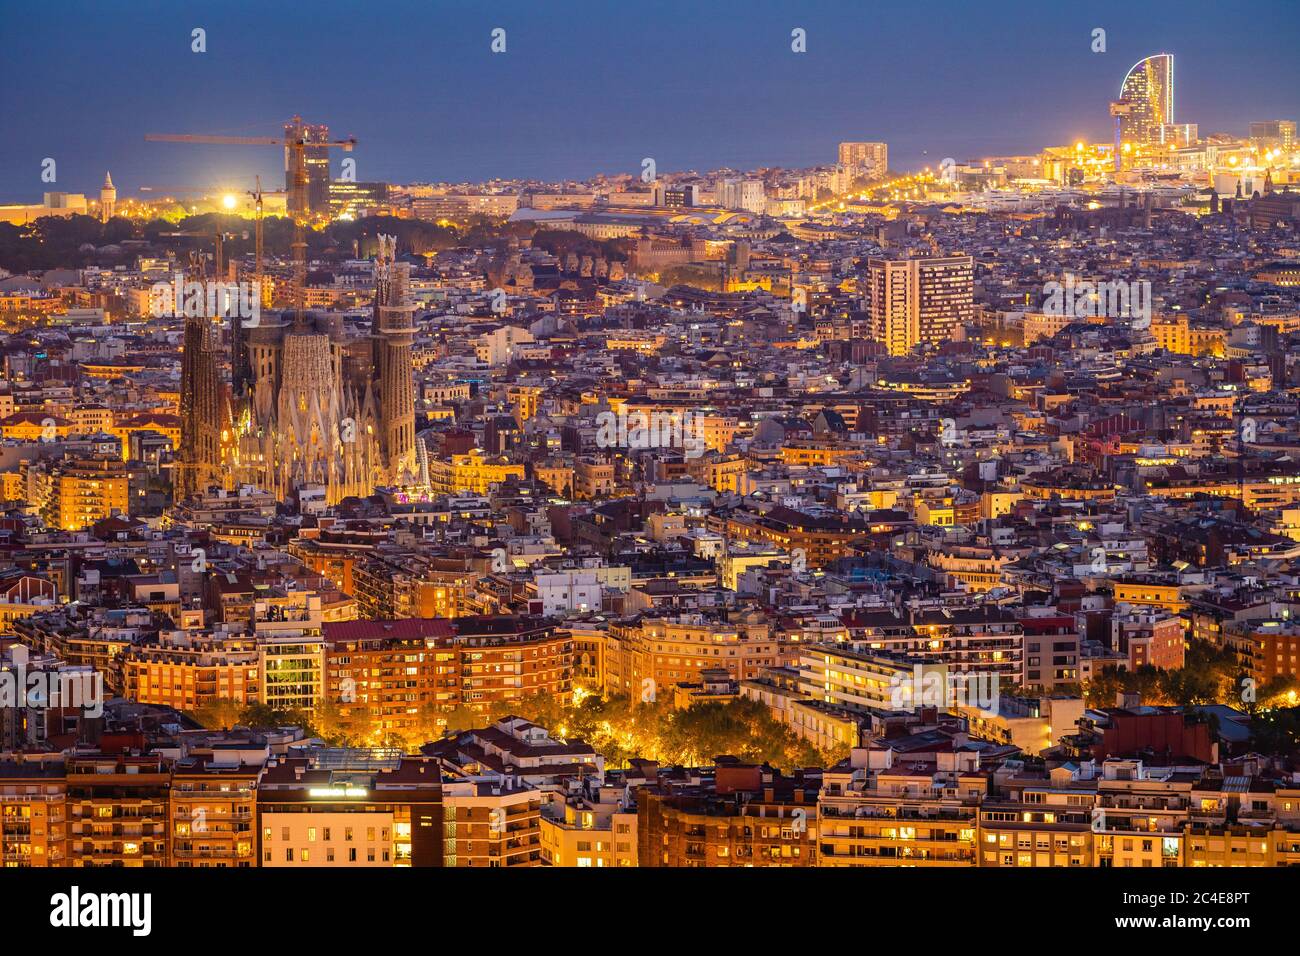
pixel 393 332
pixel 198 464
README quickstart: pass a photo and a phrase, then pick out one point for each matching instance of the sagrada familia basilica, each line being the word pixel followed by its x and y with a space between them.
pixel 308 404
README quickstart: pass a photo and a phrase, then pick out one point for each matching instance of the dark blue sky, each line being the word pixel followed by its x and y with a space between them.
pixel 591 86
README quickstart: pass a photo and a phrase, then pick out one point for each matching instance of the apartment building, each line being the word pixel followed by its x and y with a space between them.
pixel 593 479
pixel 213 812
pixel 118 810
pixel 1148 637
pixel 743 816
pixel 291 651
pixel 1241 821
pixel 33 812
pixel 870 160
pixel 349 808
pixel 405 584
pixel 852 676
pixel 817 539
pixel 504 658
pixel 593 827
pixel 879 810
pixel 1267 648
pixel 1034 724
pixel 491 823
pixel 916 301
pixel 985 639
pixel 187 672
pixel 1038 820
pixel 390 674
pixel 1052 649
pixel 403 677
pixel 82 491
pixel 471 472
pixel 1141 814
pixel 649 655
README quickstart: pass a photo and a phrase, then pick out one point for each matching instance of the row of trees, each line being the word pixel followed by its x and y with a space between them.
pixel 617 727
pixel 621 729
pixel 73 241
pixel 221 713
pixel 1209 675
pixel 56 241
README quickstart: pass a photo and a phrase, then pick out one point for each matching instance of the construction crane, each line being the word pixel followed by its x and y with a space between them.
pixel 295 144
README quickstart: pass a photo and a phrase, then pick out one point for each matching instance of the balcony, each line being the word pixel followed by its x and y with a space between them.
pixel 212 853
pixel 960 809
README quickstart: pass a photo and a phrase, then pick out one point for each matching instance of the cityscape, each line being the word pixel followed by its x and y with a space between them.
pixel 933 510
